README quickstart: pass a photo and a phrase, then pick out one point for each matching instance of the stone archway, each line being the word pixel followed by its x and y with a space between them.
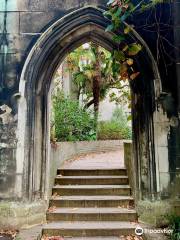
pixel 85 24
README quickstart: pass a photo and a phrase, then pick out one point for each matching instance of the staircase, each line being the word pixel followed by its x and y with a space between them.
pixel 90 204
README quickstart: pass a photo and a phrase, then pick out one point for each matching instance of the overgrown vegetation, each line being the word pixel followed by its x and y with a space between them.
pixel 118 12
pixel 70 121
pixel 115 129
pixel 94 76
pixel 174 224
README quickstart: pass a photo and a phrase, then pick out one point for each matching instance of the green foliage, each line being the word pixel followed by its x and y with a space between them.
pixel 118 11
pixel 119 115
pixel 134 49
pixel 116 128
pixel 174 224
pixel 71 121
pixel 81 64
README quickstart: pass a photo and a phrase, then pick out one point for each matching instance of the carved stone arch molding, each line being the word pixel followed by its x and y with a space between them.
pixel 80 26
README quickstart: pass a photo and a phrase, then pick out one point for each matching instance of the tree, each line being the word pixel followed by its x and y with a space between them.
pixel 95 74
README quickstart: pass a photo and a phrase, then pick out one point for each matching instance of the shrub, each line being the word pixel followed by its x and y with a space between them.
pixel 174 224
pixel 71 122
pixel 112 130
pixel 116 128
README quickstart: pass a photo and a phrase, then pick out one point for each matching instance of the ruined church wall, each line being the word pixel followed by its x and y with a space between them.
pixel 21 23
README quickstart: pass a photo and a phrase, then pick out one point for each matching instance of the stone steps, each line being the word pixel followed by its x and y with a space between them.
pixel 92 172
pixel 91 180
pixel 92 238
pixel 92 214
pixel 69 190
pixel 91 201
pixel 91 204
pixel 89 228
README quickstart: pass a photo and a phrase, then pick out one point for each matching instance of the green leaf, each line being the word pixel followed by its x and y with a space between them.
pixel 118 38
pixel 118 12
pixel 115 68
pixel 110 2
pixel 127 30
pixel 125 16
pixel 119 55
pixel 134 49
pixel 109 28
pixel 107 13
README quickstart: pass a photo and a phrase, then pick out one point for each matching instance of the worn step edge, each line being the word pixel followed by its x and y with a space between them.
pixel 94 210
pixel 92 238
pixel 92 181
pixel 89 201
pixel 91 186
pixel 86 172
pixel 91 225
pixel 92 198
pixel 92 214
pixel 93 177
pixel 91 190
pixel 91 169
pixel 89 228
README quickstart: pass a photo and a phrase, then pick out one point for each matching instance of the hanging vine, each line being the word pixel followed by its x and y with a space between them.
pixel 119 11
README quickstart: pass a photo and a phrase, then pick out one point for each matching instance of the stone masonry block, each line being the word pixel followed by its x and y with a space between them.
pixel 23 5
pixel 68 4
pixel 17 43
pixel 11 5
pixel 32 5
pixel 12 22
pixel 34 22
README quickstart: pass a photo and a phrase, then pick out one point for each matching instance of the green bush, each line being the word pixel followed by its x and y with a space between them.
pixel 116 128
pixel 112 130
pixel 174 224
pixel 71 122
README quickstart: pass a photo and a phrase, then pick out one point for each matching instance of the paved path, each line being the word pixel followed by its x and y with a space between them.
pixel 104 160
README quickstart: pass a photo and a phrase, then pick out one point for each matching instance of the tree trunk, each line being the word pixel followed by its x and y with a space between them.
pixel 96 81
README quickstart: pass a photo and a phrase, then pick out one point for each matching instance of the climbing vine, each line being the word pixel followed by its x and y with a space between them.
pixel 119 11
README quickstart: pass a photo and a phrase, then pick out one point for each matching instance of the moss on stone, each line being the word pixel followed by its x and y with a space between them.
pixel 16 215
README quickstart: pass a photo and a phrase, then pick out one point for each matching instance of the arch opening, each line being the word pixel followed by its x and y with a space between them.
pixel 83 25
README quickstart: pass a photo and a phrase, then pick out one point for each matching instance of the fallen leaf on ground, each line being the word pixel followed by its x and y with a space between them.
pixel 51 209
pixel 9 233
pixel 52 238
pixel 74 209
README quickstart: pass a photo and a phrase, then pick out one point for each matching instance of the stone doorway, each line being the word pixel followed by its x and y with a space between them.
pixel 76 28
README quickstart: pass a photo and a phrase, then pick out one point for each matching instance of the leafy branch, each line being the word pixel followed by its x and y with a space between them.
pixel 118 12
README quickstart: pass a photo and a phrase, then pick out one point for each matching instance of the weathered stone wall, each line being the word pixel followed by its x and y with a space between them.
pixel 8 145
pixel 152 212
pixel 130 165
pixel 22 22
pixel 17 215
